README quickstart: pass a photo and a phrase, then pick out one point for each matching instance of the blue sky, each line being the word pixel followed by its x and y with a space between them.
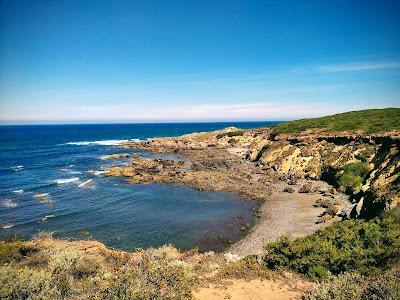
pixel 144 61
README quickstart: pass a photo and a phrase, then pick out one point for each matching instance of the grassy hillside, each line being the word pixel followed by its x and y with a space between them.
pixel 369 121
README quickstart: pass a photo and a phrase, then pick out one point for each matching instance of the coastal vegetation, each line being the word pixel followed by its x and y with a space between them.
pixel 384 285
pixel 367 121
pixel 353 175
pixel 364 247
pixel 57 273
pixel 230 134
pixel 354 259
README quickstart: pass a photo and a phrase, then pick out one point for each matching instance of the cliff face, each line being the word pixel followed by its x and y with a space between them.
pixel 327 157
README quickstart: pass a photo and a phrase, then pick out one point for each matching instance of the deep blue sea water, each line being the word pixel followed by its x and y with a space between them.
pixel 54 160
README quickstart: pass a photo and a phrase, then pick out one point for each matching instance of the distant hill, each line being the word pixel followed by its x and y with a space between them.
pixel 368 121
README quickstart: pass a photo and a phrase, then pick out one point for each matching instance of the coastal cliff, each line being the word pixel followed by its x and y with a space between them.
pixel 361 164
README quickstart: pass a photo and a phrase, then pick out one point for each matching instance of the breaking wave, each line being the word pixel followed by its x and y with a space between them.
pixel 7 226
pixel 103 143
pixel 96 172
pixel 69 171
pixel 66 180
pixel 87 183
pixel 8 203
pixel 17 168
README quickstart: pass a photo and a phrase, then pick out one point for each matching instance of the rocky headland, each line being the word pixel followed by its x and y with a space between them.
pixel 301 179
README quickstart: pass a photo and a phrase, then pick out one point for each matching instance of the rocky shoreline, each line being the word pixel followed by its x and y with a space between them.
pixel 233 160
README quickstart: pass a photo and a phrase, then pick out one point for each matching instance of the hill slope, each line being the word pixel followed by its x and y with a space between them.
pixel 367 121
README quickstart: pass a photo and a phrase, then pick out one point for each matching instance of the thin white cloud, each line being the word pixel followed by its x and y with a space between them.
pixel 360 66
pixel 206 112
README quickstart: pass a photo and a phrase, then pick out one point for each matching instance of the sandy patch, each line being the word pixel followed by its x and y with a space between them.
pixel 257 289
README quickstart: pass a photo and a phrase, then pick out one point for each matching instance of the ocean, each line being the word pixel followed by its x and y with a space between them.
pixel 51 180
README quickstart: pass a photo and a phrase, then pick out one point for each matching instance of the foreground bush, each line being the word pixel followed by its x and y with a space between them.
pixel 348 246
pixel 358 287
pixel 24 283
pixel 54 273
pixel 155 276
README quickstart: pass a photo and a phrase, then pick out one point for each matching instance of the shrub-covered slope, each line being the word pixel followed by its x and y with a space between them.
pixel 367 121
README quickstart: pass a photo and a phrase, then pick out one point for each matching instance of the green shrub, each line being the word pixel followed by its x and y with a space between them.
pixel 353 245
pixel 248 268
pixel 13 250
pixel 23 283
pixel 368 121
pixel 230 134
pixel 385 285
pixel 61 265
pixel 120 286
pixel 354 175
pixel 153 277
pixel 159 278
pixel 84 268
pixel 10 251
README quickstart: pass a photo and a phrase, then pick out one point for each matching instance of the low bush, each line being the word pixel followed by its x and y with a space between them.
pixel 232 141
pixel 385 285
pixel 159 278
pixel 13 250
pixel 353 245
pixel 248 268
pixel 353 175
pixel 10 251
pixel 153 277
pixel 230 134
pixel 24 283
pixel 85 268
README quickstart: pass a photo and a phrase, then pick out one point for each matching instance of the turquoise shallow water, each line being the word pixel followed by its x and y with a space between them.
pixel 55 160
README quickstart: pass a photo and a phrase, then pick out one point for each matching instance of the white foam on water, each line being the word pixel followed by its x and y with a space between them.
pixel 47 217
pixel 102 143
pixel 18 191
pixel 7 226
pixel 86 183
pixel 66 180
pixel 69 171
pixel 8 203
pixel 96 172
pixel 17 168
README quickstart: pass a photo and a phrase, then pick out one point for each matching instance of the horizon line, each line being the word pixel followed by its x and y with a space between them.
pixel 44 123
